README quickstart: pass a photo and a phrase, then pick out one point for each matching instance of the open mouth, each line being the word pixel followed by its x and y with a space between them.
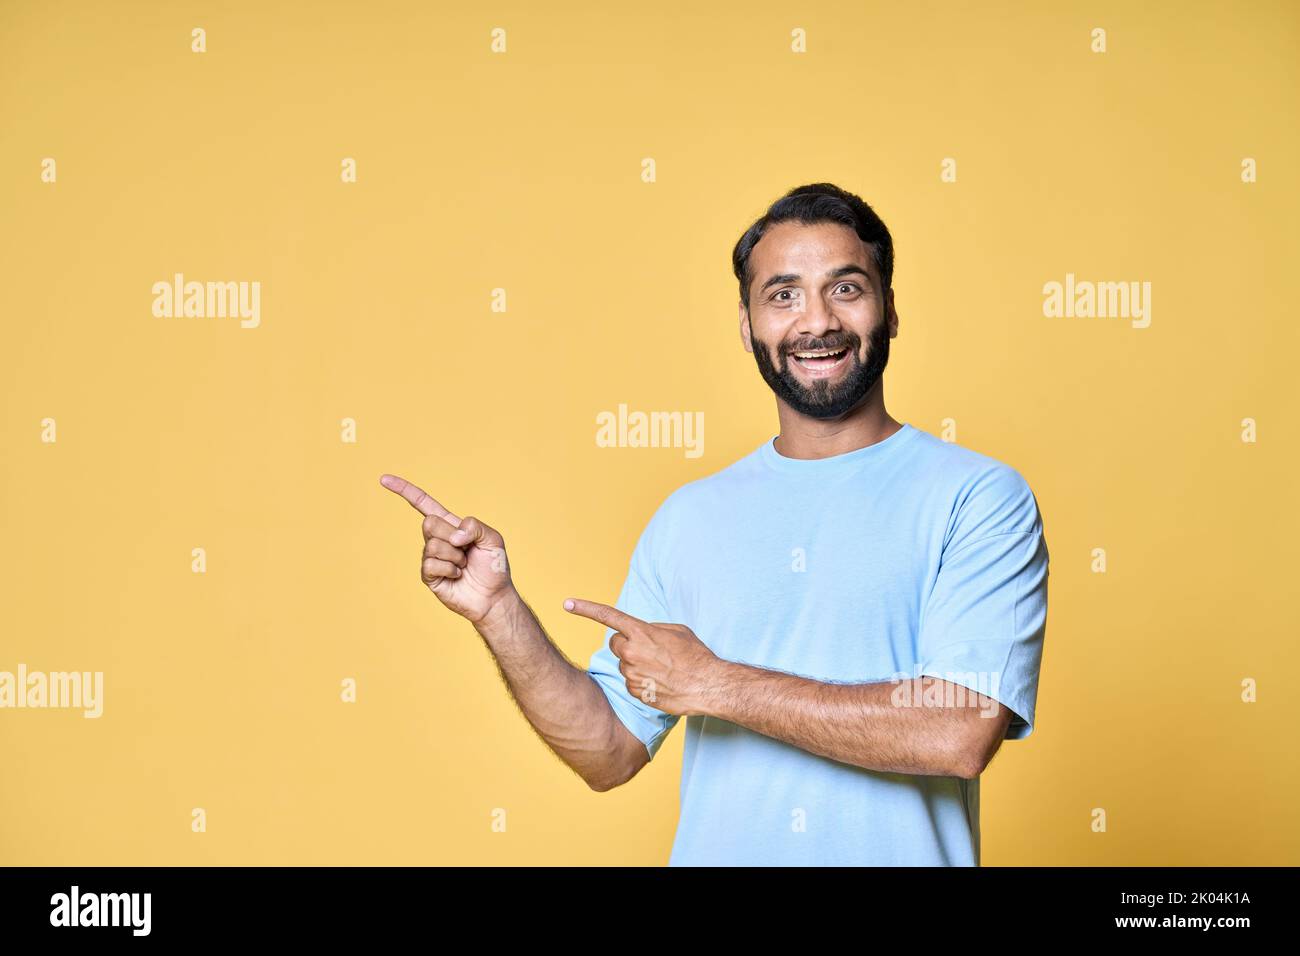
pixel 820 361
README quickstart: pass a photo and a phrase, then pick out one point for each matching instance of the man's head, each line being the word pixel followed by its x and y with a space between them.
pixel 816 299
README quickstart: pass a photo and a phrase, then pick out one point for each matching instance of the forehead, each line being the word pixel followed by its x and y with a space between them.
pixel 808 250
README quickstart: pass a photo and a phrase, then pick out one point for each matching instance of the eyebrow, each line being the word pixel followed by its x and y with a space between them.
pixel 833 274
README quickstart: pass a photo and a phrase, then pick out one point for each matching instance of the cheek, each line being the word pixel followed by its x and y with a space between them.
pixel 770 330
pixel 867 327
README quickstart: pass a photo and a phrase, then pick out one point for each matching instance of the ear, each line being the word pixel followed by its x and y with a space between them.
pixel 746 335
pixel 891 314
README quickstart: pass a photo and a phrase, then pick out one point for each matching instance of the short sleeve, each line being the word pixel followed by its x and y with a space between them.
pixel 642 597
pixel 984 622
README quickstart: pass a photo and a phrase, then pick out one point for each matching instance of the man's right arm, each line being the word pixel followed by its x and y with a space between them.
pixel 562 702
pixel 464 564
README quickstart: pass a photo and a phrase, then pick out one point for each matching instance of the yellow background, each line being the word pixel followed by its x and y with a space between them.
pixel 522 171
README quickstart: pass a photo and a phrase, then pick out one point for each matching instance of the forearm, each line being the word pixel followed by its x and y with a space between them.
pixel 561 701
pixel 872 725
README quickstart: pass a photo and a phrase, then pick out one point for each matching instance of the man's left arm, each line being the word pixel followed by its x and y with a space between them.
pixel 921 726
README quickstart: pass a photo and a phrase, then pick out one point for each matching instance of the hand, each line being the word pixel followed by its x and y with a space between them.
pixel 665 665
pixel 464 561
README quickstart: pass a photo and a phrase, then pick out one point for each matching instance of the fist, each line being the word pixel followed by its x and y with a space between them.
pixel 664 665
pixel 464 560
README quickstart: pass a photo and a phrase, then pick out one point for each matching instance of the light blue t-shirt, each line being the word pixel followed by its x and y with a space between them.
pixel 909 557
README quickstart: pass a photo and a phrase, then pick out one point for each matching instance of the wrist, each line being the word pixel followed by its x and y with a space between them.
pixel 719 689
pixel 501 615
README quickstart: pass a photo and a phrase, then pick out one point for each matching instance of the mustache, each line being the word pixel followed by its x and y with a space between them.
pixel 831 342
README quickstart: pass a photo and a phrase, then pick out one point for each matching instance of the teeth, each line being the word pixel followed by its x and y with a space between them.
pixel 814 355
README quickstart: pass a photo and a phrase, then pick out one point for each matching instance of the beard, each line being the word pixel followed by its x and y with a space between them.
pixel 823 399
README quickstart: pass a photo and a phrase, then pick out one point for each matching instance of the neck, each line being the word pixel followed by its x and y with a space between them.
pixel 865 424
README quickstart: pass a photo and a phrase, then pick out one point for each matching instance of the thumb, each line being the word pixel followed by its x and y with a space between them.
pixel 471 531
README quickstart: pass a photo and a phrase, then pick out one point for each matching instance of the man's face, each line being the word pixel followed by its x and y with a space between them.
pixel 818 322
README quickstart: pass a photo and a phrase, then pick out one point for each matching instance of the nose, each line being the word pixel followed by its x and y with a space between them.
pixel 817 318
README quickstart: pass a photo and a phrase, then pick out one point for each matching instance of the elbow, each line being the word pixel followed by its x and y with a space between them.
pixel 976 747
pixel 968 763
pixel 605 782
pixel 604 775
pixel 600 782
pixel 618 767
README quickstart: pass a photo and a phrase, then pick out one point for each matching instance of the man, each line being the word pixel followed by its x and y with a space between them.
pixel 851 617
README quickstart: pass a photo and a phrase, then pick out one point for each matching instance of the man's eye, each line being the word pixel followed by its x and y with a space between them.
pixel 786 292
pixel 849 285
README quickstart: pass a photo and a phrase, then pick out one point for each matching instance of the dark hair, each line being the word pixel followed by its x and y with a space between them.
pixel 814 203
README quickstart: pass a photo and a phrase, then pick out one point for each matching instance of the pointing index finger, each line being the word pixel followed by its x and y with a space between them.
pixel 420 499
pixel 603 614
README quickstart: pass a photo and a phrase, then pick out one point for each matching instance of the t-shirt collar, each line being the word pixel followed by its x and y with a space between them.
pixel 835 463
